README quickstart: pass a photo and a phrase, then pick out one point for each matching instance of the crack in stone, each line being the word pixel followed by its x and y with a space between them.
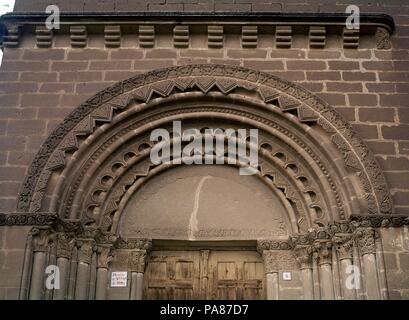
pixel 193 223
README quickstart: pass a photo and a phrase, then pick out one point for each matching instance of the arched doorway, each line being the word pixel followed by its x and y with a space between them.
pixel 209 232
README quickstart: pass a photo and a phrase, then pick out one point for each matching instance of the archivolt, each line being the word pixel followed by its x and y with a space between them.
pixel 307 150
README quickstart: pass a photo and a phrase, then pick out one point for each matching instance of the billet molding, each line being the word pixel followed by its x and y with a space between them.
pixel 112 35
pixel 215 37
pixel 317 37
pixel 146 36
pixel 44 37
pixel 249 37
pixel 379 26
pixel 284 36
pixel 78 36
pixel 181 36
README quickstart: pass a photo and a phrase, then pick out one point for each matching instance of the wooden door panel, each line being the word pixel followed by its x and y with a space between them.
pixel 172 275
pixel 205 274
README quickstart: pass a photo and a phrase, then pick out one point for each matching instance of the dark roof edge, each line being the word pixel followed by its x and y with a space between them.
pixel 339 18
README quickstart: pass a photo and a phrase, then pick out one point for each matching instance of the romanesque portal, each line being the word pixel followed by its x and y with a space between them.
pixel 173 231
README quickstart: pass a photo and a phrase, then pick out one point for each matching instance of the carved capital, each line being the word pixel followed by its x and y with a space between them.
pixel 366 240
pixel 303 255
pixel 270 261
pixel 323 251
pixel 344 244
pixel 65 244
pixel 105 256
pixel 85 250
pixel 137 260
pixel 41 239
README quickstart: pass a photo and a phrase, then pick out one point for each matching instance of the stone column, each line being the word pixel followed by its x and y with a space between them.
pixel 323 252
pixel 344 247
pixel 65 244
pixel 137 263
pixel 366 243
pixel 104 258
pixel 41 238
pixel 304 258
pixel 85 250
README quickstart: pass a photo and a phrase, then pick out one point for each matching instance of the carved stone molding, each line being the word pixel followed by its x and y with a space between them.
pixel 225 79
pixel 381 221
pixel 141 244
pixel 284 24
pixel 263 245
pixel 24 219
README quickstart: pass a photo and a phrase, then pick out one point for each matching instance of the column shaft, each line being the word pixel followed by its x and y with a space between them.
pixel 63 266
pixel 272 286
pixel 82 281
pixel 37 276
pixel 101 285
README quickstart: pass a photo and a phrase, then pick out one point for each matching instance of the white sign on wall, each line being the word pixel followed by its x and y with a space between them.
pixel 119 279
pixel 287 276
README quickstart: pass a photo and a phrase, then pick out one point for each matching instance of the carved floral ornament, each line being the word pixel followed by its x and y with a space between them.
pixel 116 124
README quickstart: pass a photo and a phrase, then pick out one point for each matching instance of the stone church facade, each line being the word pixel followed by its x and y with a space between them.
pixel 324 216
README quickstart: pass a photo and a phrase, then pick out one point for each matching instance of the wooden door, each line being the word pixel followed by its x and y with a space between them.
pixel 172 275
pixel 237 275
pixel 204 274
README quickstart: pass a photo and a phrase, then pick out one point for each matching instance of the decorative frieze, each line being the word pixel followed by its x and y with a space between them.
pixel 44 37
pixel 378 26
pixel 380 220
pixel 78 36
pixel 283 37
pixel 181 36
pixel 146 36
pixel 112 35
pixel 317 37
pixel 351 38
pixel 249 37
pixel 215 37
pixel 27 219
